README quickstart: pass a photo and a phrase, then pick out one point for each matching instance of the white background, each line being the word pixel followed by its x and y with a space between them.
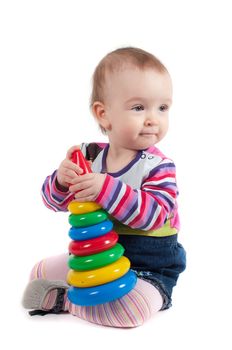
pixel 49 50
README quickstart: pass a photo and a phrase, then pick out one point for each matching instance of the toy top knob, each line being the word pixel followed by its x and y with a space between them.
pixel 79 159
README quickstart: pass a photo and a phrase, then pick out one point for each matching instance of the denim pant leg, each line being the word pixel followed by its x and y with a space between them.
pixel 159 260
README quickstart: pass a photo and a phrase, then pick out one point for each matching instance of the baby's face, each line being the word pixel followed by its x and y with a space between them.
pixel 137 106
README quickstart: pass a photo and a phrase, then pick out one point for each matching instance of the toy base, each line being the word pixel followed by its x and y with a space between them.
pixel 104 293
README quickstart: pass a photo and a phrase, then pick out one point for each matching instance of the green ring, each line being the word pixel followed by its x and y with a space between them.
pixel 88 219
pixel 94 261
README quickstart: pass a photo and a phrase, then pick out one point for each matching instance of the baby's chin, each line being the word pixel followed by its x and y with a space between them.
pixel 143 146
pixel 146 141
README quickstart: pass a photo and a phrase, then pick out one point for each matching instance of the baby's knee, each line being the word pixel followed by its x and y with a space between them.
pixel 37 271
pixel 52 268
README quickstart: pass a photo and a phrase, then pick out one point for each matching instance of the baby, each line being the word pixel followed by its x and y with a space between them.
pixel 133 181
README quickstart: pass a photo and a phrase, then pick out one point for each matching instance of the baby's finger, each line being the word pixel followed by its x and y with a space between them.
pixel 72 166
pixel 83 179
pixel 83 194
pixel 70 173
pixel 78 185
pixel 71 150
pixel 86 199
pixel 67 180
pixel 74 187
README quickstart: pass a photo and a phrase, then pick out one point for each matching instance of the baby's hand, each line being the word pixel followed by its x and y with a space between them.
pixel 68 171
pixel 87 186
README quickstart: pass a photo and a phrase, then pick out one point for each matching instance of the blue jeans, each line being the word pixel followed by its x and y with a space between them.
pixel 158 260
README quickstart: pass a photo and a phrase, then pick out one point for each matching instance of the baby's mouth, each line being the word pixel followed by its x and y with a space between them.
pixel 149 132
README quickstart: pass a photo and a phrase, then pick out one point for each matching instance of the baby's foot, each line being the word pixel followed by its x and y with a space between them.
pixel 45 297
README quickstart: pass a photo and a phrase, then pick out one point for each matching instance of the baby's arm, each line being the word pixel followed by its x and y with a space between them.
pixel 146 208
pixel 55 190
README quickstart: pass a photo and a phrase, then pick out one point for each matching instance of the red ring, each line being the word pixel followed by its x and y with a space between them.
pixel 93 246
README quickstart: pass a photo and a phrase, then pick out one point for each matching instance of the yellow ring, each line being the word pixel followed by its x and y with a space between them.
pixel 99 276
pixel 82 208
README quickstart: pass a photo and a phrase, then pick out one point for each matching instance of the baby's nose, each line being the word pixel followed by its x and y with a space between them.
pixel 151 121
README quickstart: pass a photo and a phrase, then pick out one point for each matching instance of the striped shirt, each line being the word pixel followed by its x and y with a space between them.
pixel 140 198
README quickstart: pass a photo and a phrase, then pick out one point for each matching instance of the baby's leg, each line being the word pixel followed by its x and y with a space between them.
pixel 129 311
pixel 53 268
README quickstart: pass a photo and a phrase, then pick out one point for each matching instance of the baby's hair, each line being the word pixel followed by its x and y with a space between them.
pixel 119 59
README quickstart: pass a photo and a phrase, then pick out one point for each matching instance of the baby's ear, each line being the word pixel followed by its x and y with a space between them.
pixel 99 112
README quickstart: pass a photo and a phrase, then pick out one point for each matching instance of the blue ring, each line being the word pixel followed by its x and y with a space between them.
pixel 104 293
pixel 88 232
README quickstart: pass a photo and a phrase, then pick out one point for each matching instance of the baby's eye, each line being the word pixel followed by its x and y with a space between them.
pixel 163 108
pixel 138 108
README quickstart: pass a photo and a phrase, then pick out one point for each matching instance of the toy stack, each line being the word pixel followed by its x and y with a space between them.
pixel 99 272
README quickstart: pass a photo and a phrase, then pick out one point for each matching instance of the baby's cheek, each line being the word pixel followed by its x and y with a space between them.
pixel 126 129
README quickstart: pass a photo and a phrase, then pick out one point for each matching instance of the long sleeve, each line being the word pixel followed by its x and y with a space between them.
pixel 52 197
pixel 146 208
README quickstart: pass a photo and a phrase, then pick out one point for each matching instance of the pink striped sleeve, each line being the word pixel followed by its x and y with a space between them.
pixel 52 197
pixel 146 208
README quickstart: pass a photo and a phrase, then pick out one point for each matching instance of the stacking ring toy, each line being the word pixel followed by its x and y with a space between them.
pixel 104 293
pixel 93 246
pixel 87 219
pixel 87 232
pixel 99 276
pixel 82 208
pixel 83 263
pixel 99 273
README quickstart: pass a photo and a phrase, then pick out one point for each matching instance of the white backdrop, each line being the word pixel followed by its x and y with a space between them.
pixel 48 52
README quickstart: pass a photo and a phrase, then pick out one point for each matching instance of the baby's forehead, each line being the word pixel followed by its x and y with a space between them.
pixel 136 81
